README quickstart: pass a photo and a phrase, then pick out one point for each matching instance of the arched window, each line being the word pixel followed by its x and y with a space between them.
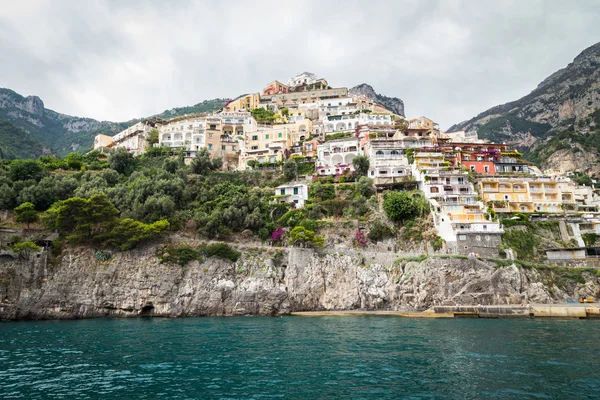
pixel 379 153
pixel 395 152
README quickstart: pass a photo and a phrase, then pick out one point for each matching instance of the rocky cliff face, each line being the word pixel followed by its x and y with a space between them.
pixel 134 283
pixel 392 104
pixel 566 100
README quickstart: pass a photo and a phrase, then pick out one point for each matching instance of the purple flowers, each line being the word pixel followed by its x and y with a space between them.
pixel 361 239
pixel 278 234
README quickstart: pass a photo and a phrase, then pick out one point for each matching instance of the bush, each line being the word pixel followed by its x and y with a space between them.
pixel 25 248
pixel 178 255
pixel 380 231
pixel 223 251
pixel 304 237
pixel 402 206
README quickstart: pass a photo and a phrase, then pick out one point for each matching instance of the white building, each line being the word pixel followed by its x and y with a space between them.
pixel 305 78
pixel 184 132
pixel 296 193
pixel 335 156
pixel 134 138
pixel 388 161
pixel 341 123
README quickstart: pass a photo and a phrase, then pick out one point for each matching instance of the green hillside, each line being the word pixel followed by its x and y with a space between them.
pixel 16 143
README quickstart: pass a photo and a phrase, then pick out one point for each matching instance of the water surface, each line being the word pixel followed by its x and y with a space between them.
pixel 299 357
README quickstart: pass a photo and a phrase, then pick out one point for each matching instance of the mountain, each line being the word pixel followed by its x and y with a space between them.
pixel 60 133
pixel 16 143
pixel 566 101
pixel 392 104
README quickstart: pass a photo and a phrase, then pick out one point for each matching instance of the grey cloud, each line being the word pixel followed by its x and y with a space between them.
pixel 449 60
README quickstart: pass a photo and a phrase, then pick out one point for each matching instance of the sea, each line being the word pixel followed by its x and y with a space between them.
pixel 293 357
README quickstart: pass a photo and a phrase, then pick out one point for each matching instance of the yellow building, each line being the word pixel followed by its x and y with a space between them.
pixel 265 145
pixel 102 141
pixel 245 102
pixel 526 194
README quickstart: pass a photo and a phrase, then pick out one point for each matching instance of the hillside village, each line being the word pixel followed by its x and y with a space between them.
pixel 470 184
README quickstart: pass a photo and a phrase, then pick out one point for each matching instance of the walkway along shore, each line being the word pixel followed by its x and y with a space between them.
pixel 504 311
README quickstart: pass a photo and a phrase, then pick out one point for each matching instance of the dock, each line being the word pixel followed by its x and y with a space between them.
pixel 567 310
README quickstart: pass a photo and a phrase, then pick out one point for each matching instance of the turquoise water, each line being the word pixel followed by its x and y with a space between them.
pixel 299 357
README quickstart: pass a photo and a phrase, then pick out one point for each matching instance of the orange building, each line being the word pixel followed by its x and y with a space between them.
pixel 275 87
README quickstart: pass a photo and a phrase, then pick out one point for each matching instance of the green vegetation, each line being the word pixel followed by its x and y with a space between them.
pixel 361 165
pixel 16 143
pixel 26 213
pixel 402 206
pixel 222 251
pixel 590 239
pixel 263 115
pixel 24 249
pixel 181 255
pixel 380 231
pixel 301 236
pixel 565 140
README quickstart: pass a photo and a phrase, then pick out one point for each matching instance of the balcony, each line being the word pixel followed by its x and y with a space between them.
pixel 550 190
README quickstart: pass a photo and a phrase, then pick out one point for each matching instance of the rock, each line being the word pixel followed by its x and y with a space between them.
pixel 392 104
pixel 135 284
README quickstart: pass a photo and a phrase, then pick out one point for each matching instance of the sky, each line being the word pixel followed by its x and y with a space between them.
pixel 448 60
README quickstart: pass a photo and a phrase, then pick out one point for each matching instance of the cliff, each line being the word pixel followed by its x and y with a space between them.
pixel 392 104
pixel 265 282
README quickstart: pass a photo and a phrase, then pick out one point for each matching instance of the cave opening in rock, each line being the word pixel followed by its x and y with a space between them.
pixel 147 310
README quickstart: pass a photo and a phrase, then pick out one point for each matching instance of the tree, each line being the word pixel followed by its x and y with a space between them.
pixel 302 236
pixel 152 137
pixel 121 161
pixel 26 213
pixel 21 170
pixel 82 218
pixel 401 206
pixel 74 161
pixel 24 249
pixel 7 197
pixel 361 165
pixel 290 170
pixel 285 111
pixel 364 187
pixel 129 232
pixel 203 164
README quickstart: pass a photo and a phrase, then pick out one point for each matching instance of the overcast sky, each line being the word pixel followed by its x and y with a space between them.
pixel 449 60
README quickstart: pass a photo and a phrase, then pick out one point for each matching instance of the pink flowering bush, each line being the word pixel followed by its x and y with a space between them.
pixel 361 239
pixel 278 234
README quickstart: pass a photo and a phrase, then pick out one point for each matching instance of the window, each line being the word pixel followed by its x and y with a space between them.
pixel 296 201
pixel 472 168
pixel 212 126
pixel 254 137
pixel 295 190
pixel 462 237
pixel 232 148
pixel 254 147
pixel 280 134
pixel 267 136
pixel 434 190
pixel 486 169
pixel 210 146
pixel 223 147
pixel 282 191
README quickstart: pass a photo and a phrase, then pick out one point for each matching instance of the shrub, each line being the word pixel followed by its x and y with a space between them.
pixel 380 231
pixel 178 255
pixel 25 248
pixel 402 206
pixel 223 251
pixel 103 255
pixel 302 236
pixel 278 234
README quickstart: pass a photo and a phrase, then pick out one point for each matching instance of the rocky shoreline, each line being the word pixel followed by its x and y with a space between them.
pixel 265 281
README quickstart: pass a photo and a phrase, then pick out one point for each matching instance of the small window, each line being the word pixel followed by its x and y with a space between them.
pixel 223 147
pixel 254 137
pixel 267 136
pixel 254 147
pixel 232 148
pixel 295 190
pixel 486 169
pixel 280 134
pixel 210 146
pixel 462 237
pixel 282 191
